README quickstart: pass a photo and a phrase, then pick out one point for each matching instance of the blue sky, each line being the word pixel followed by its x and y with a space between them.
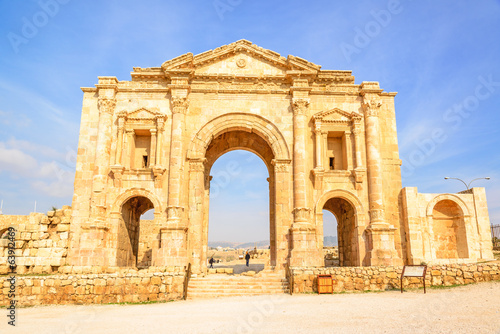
pixel 441 57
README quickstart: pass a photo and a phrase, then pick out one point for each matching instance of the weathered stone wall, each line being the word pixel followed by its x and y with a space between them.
pixel 121 287
pixel 41 241
pixel 386 278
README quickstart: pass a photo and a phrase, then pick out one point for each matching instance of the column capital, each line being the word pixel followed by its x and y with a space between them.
pixel 197 165
pixel 281 165
pixel 371 107
pixel 106 105
pixel 179 104
pixel 377 216
pixel 300 106
pixel 153 132
pixel 301 214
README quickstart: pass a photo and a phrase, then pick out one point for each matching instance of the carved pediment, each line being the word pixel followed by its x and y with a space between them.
pixel 335 115
pixel 241 57
pixel 141 114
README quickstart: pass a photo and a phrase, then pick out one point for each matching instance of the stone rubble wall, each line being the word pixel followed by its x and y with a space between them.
pixel 41 241
pixel 387 278
pixel 131 287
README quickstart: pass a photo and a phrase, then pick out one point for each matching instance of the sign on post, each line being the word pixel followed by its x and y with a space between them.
pixel 413 271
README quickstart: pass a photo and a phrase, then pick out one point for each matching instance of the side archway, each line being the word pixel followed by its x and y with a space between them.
pixel 349 213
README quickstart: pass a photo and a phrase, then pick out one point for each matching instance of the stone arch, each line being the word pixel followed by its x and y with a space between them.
pixel 341 193
pixel 452 197
pixel 351 245
pixel 136 192
pixel 242 122
pixel 448 218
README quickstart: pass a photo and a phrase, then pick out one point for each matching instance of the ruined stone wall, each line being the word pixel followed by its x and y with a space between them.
pixel 121 287
pixel 386 278
pixel 41 241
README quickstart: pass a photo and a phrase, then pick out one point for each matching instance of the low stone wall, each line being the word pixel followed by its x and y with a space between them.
pixel 304 280
pixel 94 288
pixel 41 241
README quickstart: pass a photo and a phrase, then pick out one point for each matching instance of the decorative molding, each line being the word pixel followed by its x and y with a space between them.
pixel 281 165
pixel 371 107
pixel 300 106
pixel 174 212
pixel 301 214
pixel 107 105
pixel 197 165
pixel 179 104
pixel 377 215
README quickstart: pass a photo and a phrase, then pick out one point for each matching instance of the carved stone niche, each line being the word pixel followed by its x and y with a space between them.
pixel 139 142
pixel 335 154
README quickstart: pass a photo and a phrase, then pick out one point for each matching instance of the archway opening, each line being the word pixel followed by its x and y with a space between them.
pixel 450 237
pixel 129 253
pixel 239 212
pixel 240 200
pixel 330 240
pixel 347 237
pixel 146 239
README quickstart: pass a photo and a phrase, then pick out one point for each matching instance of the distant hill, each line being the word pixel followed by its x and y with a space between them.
pixel 327 242
pixel 330 241
pixel 260 244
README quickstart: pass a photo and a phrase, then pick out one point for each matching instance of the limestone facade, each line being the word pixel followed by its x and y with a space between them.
pixel 327 142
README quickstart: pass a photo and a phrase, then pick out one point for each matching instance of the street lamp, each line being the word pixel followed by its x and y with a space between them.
pixel 466 185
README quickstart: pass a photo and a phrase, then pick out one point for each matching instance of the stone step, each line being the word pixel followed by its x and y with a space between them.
pixel 224 286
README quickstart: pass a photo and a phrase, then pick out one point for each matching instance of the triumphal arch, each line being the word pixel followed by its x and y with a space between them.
pixel 328 144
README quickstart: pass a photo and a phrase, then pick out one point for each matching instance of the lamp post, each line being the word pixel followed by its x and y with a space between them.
pixel 466 185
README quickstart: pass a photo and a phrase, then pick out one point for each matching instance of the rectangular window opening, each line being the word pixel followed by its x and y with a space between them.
pixel 332 163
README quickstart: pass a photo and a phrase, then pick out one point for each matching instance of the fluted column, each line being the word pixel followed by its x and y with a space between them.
pixel 152 148
pixel 119 141
pixel 374 161
pixel 130 148
pixel 319 146
pixel 357 141
pixel 198 246
pixel 301 211
pixel 102 165
pixel 380 234
pixel 174 209
pixel 159 123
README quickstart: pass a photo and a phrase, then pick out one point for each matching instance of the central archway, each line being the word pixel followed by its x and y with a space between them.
pixel 255 134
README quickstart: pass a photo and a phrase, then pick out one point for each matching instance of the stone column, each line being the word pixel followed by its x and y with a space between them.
pixel 152 148
pixel 380 233
pixel 318 170
pixel 300 210
pixel 102 161
pixel 198 249
pixel 173 234
pixel 160 121
pixel 374 162
pixel 319 146
pixel 130 148
pixel 302 233
pixel 119 141
pixel 359 170
pixel 174 209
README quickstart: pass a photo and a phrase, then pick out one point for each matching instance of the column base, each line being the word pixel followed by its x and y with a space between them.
pixel 381 244
pixel 305 252
pixel 173 248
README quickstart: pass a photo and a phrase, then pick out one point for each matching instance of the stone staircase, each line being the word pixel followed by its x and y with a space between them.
pixel 221 285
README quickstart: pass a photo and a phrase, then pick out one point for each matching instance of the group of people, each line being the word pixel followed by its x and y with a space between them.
pixel 247 258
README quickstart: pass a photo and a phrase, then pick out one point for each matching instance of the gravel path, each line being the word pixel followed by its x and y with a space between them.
pixel 467 309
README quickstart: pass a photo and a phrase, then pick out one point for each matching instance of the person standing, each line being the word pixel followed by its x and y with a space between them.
pixel 247 257
pixel 211 261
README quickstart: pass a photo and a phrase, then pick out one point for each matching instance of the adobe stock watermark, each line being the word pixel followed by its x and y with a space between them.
pixel 363 37
pixel 11 259
pixel 222 178
pixel 223 6
pixel 31 25
pixel 262 309
pixel 454 117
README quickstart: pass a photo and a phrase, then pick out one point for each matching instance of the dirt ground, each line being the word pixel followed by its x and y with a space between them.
pixel 467 309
